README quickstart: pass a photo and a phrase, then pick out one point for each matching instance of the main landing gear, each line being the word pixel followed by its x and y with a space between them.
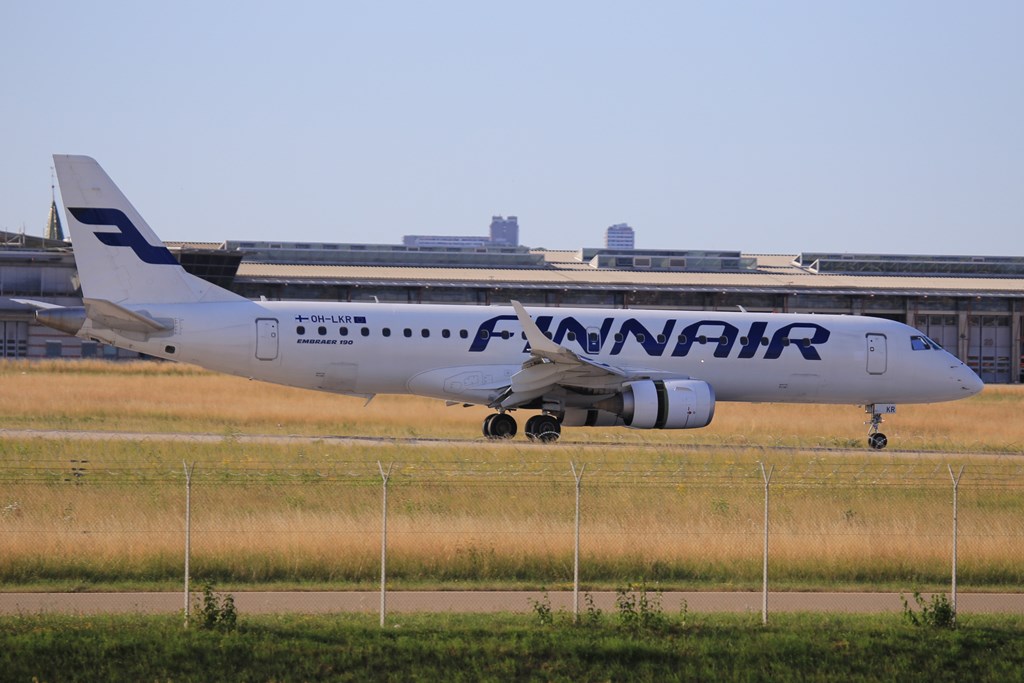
pixel 544 428
pixel 877 439
pixel 500 426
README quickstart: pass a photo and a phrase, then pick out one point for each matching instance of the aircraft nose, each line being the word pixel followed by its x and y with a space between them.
pixel 969 382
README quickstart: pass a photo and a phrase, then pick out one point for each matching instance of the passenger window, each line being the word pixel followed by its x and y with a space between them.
pixel 484 334
pixel 744 341
pixel 571 336
pixel 661 339
pixel 446 333
pixel 681 339
pixel 425 332
pixel 365 331
pixel 407 332
pixel 764 341
pixel 322 331
pixel 805 342
pixel 641 338
pixel 506 335
pixel 343 331
pixel 386 331
pixel 618 338
pixel 702 339
pixel 464 334
pixel 300 330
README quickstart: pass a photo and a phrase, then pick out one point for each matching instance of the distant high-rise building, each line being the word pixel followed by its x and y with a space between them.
pixel 505 231
pixel 619 236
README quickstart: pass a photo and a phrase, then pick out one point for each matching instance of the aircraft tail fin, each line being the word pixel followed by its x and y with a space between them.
pixel 120 259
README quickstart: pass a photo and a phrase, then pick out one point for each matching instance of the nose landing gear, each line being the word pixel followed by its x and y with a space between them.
pixel 876 439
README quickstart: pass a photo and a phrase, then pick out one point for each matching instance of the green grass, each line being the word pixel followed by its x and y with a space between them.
pixel 507 647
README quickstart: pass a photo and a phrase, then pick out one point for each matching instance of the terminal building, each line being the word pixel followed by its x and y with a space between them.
pixel 972 305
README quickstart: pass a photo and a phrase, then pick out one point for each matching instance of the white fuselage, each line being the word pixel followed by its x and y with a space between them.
pixel 469 353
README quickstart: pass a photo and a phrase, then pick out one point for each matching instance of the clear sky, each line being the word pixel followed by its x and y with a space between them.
pixel 779 127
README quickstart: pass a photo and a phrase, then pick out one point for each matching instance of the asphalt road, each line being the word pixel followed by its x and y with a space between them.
pixel 315 602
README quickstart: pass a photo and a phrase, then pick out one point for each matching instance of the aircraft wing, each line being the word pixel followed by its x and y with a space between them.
pixel 552 365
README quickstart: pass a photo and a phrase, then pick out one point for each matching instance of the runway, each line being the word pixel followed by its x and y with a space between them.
pixel 322 602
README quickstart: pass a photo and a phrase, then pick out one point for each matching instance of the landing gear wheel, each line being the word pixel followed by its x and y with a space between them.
pixel 543 428
pixel 487 424
pixel 500 426
pixel 877 439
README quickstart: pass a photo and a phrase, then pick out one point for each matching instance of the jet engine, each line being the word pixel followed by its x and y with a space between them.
pixel 661 404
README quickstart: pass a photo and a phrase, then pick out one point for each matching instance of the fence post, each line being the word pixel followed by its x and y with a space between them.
pixel 188 531
pixel 384 542
pixel 767 477
pixel 956 486
pixel 576 546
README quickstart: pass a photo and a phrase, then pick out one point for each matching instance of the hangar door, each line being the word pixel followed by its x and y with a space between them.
pixel 990 347
pixel 266 339
pixel 876 354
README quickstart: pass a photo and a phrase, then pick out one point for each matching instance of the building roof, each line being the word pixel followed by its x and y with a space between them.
pixel 775 273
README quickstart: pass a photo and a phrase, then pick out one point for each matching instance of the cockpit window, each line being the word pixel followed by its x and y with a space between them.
pixel 933 343
pixel 918 343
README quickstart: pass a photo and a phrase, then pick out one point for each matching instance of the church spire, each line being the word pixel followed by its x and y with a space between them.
pixel 54 230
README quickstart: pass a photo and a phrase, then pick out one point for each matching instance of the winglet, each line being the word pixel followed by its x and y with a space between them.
pixel 538 342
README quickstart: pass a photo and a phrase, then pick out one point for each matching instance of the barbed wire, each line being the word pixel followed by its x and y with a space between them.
pixel 484 473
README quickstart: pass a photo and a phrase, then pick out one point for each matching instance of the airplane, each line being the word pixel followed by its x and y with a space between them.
pixel 579 367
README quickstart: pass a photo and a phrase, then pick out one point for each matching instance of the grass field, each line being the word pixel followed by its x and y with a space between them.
pixel 681 508
pixel 454 648
pixel 165 397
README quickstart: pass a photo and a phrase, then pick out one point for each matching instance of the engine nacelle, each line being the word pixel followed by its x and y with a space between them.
pixel 668 404
pixel 590 417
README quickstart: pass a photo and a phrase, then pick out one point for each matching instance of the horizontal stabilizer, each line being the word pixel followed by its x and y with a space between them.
pixel 104 313
pixel 41 305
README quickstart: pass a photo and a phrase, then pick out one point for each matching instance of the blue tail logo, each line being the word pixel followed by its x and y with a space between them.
pixel 128 237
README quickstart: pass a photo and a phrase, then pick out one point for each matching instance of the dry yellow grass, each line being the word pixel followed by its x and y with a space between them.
pixel 165 397
pixel 482 512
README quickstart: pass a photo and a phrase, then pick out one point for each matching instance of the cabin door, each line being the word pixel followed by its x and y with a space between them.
pixel 876 354
pixel 266 339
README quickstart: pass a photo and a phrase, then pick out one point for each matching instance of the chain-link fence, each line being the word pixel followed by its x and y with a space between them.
pixel 555 525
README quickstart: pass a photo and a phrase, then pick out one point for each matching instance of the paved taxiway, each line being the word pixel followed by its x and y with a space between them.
pixel 417 442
